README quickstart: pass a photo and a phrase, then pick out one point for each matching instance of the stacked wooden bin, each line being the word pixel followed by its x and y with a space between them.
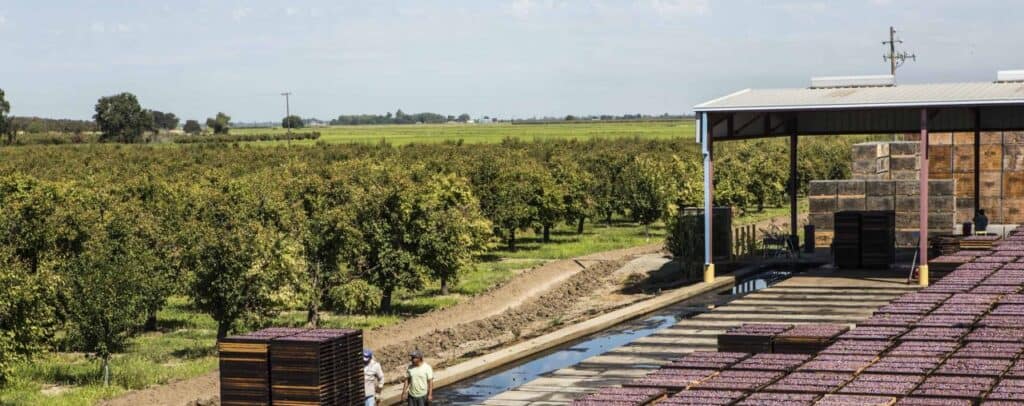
pixel 864 239
pixel 292 367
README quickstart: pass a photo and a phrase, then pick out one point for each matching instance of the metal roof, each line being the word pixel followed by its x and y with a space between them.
pixel 757 113
pixel 921 95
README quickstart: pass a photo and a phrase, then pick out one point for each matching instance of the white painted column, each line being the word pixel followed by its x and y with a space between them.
pixel 709 187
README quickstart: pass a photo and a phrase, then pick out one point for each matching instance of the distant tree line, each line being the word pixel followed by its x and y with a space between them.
pixel 602 117
pixel 399 117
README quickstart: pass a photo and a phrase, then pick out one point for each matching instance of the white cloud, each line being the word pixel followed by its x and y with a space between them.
pixel 524 8
pixel 804 7
pixel 100 27
pixel 3 19
pixel 240 13
pixel 680 7
pixel 291 11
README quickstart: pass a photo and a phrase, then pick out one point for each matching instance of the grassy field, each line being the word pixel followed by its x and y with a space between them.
pixel 488 133
pixel 184 346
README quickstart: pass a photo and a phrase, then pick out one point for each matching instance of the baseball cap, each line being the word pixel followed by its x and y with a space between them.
pixel 367 354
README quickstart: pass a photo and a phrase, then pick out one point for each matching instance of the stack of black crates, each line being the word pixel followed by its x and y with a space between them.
pixel 292 367
pixel 864 239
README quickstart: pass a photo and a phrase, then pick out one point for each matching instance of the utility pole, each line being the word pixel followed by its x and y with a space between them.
pixel 896 59
pixel 287 115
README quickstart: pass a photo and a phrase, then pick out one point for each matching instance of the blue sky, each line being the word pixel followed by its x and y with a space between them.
pixel 514 58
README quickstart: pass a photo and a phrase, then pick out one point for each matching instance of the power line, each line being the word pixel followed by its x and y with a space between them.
pixel 896 59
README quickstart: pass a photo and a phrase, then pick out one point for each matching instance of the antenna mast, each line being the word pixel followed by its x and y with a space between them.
pixel 896 59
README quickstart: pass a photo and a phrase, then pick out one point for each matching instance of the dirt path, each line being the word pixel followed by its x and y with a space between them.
pixel 515 292
pixel 520 307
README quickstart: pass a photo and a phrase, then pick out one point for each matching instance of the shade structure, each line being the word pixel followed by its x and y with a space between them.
pixel 858 109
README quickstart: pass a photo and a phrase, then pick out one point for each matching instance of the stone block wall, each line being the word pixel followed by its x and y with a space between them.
pixel 903 196
pixel 1001 176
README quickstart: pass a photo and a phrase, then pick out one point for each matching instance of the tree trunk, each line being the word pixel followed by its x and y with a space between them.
pixel 150 322
pixel 106 370
pixel 313 315
pixel 444 285
pixel 313 311
pixel 547 233
pixel 512 239
pixel 760 205
pixel 579 225
pixel 608 220
pixel 385 300
pixel 647 231
pixel 222 329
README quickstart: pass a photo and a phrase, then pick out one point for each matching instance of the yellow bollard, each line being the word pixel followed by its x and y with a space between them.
pixel 709 273
pixel 922 275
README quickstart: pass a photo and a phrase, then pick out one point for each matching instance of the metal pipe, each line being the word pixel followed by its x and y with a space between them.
pixel 977 161
pixel 793 188
pixel 709 266
pixel 923 207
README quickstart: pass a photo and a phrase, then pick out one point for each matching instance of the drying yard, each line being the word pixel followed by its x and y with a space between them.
pixel 956 342
pixel 814 297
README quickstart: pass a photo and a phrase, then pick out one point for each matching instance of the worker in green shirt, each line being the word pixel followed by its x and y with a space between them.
pixel 418 389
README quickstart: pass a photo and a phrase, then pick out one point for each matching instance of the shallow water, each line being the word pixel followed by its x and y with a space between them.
pixel 480 388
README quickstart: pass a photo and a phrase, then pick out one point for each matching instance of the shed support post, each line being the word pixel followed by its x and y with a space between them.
pixel 977 162
pixel 923 206
pixel 709 186
pixel 793 189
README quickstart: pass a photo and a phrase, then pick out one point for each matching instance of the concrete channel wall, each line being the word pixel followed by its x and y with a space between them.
pixel 475 366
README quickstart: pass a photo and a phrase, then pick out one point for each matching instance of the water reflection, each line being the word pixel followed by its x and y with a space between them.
pixel 476 391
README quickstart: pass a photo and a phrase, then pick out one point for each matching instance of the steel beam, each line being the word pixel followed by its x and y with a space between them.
pixel 977 161
pixel 923 207
pixel 709 186
pixel 793 188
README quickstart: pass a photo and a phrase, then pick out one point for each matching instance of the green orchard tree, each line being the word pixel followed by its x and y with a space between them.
pixel 37 220
pixel 26 311
pixel 105 283
pixel 161 209
pixel 575 184
pixel 384 251
pixel 647 188
pixel 325 227
pixel 607 166
pixel 507 185
pixel 452 230
pixel 243 261
pixel 121 118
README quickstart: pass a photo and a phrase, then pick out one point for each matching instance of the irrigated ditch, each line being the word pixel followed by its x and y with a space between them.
pixel 481 387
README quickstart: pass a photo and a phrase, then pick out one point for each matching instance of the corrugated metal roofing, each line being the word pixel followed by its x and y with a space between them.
pixel 919 95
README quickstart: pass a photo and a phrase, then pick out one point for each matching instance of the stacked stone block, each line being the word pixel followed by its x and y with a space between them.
pixel 1001 176
pixel 903 196
pixel 871 160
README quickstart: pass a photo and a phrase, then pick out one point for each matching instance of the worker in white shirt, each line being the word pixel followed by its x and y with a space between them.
pixel 374 376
